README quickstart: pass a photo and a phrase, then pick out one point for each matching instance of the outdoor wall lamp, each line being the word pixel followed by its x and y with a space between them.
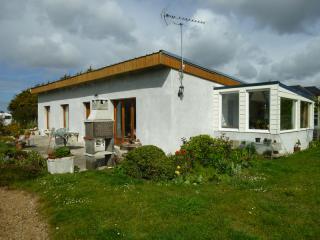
pixel 180 92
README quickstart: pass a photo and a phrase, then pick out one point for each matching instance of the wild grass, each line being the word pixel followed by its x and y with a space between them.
pixel 275 199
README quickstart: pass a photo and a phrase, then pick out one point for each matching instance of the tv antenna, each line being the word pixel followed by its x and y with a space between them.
pixel 180 21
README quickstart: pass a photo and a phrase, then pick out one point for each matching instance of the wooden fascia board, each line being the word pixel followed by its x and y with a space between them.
pixel 110 71
pixel 141 63
pixel 175 63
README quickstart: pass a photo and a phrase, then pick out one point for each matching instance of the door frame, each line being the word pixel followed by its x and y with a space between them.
pixel 133 107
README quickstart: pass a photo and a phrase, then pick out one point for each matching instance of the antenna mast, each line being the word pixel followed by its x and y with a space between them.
pixel 180 22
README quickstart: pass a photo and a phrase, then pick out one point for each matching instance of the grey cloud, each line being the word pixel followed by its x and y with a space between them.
pixel 284 16
pixel 12 9
pixel 305 63
pixel 246 70
pixel 91 19
pixel 214 44
pixel 52 51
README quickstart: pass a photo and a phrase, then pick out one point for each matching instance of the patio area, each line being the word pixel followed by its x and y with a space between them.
pixel 42 144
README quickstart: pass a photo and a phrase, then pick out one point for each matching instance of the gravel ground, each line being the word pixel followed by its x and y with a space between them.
pixel 19 218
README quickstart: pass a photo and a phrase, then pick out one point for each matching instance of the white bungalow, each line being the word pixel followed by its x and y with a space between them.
pixel 144 103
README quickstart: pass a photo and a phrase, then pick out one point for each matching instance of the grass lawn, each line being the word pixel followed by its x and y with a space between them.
pixel 276 199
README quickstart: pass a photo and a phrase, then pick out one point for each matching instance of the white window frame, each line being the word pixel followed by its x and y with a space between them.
pixel 248 129
pixel 296 128
pixel 220 112
pixel 310 117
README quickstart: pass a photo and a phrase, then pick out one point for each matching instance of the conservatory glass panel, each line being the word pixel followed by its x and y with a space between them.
pixel 230 110
pixel 304 114
pixel 288 114
pixel 259 110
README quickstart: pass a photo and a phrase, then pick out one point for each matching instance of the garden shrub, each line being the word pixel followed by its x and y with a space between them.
pixel 199 147
pixel 216 153
pixel 16 165
pixel 148 162
pixel 198 175
pixel 315 144
pixel 207 150
pixel 60 152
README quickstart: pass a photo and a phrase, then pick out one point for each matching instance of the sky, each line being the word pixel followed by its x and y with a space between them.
pixel 255 41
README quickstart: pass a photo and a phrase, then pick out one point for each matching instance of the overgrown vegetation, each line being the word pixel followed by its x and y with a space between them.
pixel 199 160
pixel 17 165
pixel 24 109
pixel 13 129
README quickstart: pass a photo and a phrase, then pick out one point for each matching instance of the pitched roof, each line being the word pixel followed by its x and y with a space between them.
pixel 314 90
pixel 158 59
pixel 302 91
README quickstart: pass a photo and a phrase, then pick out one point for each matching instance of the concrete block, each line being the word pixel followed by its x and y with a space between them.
pixel 61 165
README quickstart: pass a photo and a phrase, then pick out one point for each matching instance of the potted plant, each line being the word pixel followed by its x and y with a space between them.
pixel 297 146
pixel 60 161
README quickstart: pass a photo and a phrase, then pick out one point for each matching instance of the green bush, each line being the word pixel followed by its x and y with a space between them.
pixel 315 144
pixel 207 150
pixel 214 153
pixel 198 175
pixel 148 162
pixel 199 147
pixel 18 165
pixel 60 152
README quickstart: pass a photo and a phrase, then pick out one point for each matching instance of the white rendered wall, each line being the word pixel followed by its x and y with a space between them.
pixel 192 115
pixel 162 119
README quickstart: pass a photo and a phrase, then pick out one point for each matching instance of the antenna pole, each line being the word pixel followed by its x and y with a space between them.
pixel 181 51
pixel 179 21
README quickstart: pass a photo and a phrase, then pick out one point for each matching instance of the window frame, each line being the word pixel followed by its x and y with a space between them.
pixel 309 113
pixel 65 122
pixel 221 114
pixel 47 117
pixel 295 102
pixel 248 129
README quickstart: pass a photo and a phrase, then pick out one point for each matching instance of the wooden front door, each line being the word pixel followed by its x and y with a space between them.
pixel 124 120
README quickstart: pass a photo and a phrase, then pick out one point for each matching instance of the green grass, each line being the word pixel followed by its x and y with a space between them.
pixel 275 199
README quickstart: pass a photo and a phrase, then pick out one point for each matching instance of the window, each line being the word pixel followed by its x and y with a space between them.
pixel 287 114
pixel 230 110
pixel 47 116
pixel 65 113
pixel 259 108
pixel 87 109
pixel 304 114
pixel 125 119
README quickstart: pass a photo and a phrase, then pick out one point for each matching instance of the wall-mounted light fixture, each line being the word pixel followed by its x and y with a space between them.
pixel 180 92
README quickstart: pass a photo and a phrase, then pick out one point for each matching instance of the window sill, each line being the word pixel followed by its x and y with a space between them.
pixel 295 130
pixel 257 131
pixel 229 129
pixel 289 130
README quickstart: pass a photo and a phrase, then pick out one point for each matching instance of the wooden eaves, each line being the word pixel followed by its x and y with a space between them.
pixel 161 58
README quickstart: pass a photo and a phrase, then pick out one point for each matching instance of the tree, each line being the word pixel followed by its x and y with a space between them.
pixel 23 108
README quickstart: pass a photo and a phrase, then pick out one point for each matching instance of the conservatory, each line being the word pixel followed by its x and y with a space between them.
pixel 272 116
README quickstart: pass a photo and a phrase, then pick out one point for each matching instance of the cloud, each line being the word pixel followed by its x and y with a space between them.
pixel 246 70
pixel 94 19
pixel 302 64
pixel 285 16
pixel 52 51
pixel 213 44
